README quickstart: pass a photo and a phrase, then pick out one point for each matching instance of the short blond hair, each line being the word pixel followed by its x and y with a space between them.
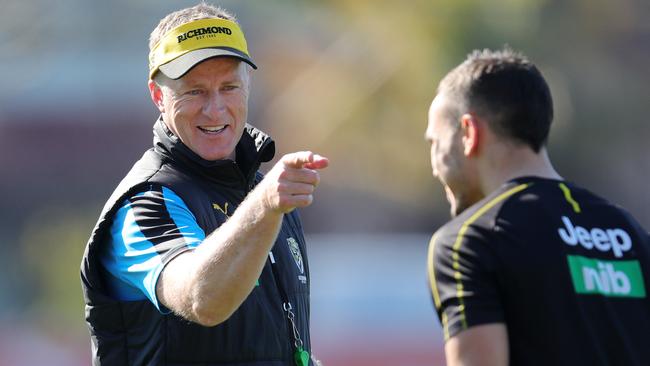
pixel 196 12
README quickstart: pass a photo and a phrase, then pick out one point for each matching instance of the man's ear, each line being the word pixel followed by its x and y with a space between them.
pixel 471 131
pixel 156 95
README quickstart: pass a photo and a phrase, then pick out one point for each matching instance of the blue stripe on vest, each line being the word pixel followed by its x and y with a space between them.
pixel 147 226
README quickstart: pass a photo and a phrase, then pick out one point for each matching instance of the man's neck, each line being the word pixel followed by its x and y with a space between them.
pixel 507 162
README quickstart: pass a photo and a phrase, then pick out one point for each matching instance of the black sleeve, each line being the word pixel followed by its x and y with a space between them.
pixel 462 275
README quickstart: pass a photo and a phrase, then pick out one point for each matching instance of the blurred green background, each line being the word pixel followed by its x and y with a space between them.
pixel 351 80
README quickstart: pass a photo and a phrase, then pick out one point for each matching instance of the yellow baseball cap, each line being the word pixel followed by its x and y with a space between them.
pixel 188 44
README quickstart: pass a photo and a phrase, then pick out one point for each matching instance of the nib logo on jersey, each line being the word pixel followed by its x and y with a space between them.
pixel 617 278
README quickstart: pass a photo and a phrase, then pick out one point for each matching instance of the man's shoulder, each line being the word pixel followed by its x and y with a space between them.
pixel 142 170
pixel 544 199
pixel 483 214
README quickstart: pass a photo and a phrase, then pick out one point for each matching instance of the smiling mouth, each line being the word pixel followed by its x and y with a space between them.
pixel 212 130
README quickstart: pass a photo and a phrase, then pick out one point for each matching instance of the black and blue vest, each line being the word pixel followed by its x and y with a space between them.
pixel 258 333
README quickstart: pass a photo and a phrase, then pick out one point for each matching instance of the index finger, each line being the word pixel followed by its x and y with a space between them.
pixel 298 159
pixel 318 162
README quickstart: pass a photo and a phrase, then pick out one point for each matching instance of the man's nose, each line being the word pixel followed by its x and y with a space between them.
pixel 214 106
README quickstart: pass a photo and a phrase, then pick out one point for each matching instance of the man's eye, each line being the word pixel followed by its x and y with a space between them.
pixel 195 92
pixel 230 87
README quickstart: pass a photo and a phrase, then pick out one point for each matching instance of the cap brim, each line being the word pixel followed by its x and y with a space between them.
pixel 179 66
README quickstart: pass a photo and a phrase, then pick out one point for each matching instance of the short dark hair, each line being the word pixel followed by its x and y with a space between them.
pixel 506 89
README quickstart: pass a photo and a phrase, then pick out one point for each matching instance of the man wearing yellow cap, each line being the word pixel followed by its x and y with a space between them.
pixel 196 257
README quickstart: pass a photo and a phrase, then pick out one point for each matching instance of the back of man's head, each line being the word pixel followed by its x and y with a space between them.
pixel 507 91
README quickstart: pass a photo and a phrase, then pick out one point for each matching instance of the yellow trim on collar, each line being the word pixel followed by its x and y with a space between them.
pixel 202 33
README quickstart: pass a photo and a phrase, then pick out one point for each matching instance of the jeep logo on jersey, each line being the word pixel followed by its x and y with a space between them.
pixel 616 240
pixel 608 278
pixel 295 253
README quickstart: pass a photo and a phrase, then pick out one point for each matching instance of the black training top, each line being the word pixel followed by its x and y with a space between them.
pixel 565 270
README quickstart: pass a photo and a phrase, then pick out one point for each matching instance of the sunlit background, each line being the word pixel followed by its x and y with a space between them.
pixel 349 79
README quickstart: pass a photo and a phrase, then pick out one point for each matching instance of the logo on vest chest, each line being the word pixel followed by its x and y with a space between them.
pixel 294 248
pixel 223 210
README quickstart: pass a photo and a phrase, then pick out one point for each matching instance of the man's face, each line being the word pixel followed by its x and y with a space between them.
pixel 207 108
pixel 449 163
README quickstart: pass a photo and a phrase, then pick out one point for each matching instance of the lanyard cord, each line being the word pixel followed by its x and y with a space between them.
pixel 286 304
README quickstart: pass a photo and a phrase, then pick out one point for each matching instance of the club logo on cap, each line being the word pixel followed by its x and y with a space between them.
pixel 199 32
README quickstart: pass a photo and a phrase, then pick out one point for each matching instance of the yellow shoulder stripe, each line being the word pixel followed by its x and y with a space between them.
pixel 432 281
pixel 432 274
pixel 455 256
pixel 569 198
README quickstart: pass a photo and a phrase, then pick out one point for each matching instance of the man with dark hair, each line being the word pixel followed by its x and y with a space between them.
pixel 197 258
pixel 532 269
